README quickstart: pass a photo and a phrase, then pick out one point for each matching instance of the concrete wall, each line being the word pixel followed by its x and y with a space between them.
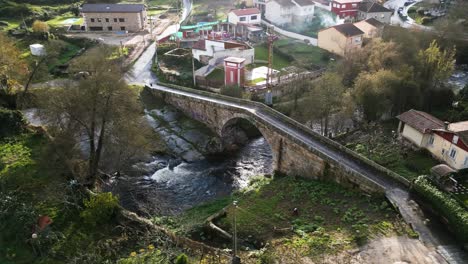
pixel 133 21
pixel 413 135
pixel 290 156
pixel 333 41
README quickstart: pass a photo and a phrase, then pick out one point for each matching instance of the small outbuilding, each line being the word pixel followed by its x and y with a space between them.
pixel 37 49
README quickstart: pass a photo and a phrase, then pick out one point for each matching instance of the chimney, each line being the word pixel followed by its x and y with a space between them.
pixel 446 125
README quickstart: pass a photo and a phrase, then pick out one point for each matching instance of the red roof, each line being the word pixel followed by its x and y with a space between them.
pixel 246 11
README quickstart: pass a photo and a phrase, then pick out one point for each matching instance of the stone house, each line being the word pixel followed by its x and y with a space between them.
pixel 371 27
pixel 374 10
pixel 447 142
pixel 285 12
pixel 246 16
pixel 340 39
pixel 114 17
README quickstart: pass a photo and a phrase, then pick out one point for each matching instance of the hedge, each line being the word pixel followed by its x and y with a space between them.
pixel 445 205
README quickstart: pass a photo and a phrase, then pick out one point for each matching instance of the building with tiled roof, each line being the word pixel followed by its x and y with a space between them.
pixel 250 16
pixel 340 39
pixel 371 27
pixel 289 12
pixel 114 17
pixel 374 10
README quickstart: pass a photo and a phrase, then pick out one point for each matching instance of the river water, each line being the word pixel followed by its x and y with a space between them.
pixel 186 176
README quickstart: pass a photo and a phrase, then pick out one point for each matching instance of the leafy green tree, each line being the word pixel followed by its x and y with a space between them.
pixel 434 68
pixel 327 97
pixel 373 92
pixel 100 115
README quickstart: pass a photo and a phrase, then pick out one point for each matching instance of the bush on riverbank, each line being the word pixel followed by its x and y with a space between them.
pixel 448 207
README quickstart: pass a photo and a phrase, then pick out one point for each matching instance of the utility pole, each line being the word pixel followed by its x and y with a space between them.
pixel 271 37
pixel 235 258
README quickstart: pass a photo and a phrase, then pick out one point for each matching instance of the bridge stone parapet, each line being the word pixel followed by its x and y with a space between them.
pixel 297 150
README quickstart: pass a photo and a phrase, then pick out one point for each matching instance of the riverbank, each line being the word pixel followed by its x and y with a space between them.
pixel 333 224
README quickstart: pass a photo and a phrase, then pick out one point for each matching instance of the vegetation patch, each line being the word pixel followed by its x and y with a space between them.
pixel 448 207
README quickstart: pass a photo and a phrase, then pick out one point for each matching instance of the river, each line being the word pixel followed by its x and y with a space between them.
pixel 186 177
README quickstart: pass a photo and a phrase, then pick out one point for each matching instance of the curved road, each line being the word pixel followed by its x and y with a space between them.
pixel 141 73
pixel 444 249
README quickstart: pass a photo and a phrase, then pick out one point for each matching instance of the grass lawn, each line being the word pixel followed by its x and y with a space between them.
pixel 61 20
pixel 12 23
pixel 159 2
pixel 303 54
pixel 216 75
pixel 330 217
pixel 279 61
pixel 155 12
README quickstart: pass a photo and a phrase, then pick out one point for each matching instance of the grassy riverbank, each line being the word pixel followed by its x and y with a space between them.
pixel 331 219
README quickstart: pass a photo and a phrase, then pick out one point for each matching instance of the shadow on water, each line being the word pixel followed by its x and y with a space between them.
pixel 188 175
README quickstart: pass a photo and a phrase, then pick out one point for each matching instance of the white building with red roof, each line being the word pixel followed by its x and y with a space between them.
pixel 245 16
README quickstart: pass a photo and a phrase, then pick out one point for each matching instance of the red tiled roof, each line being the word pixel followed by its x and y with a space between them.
pixel 246 11
pixel 421 121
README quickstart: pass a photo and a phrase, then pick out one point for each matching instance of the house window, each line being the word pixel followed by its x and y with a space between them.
pixel 443 151
pixel 107 20
pixel 122 28
pixel 431 140
pixel 92 19
pixel 109 28
pixel 242 18
pixel 343 6
pixel 231 76
pixel 121 19
pixel 354 5
pixel 115 19
pixel 453 153
pixel 253 18
pixel 98 20
pixel 455 139
pixel 357 39
pixel 466 161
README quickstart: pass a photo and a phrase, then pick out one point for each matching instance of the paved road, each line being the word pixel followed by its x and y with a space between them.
pixel 396 193
pixel 140 72
pixel 396 20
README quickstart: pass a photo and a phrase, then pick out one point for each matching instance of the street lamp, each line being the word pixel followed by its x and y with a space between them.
pixel 235 258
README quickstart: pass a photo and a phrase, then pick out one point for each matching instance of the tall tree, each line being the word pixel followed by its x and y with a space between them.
pixel 100 113
pixel 12 68
pixel 327 97
pixel 434 68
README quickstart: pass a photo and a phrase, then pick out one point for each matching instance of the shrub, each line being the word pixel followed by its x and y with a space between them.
pixel 11 121
pixel 99 209
pixel 448 207
pixel 182 259
pixel 233 91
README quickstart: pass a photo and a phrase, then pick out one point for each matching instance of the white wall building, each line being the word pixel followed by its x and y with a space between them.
pixel 246 16
pixel 282 12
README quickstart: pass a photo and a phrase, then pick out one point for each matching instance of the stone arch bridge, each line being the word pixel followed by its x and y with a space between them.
pixel 298 151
